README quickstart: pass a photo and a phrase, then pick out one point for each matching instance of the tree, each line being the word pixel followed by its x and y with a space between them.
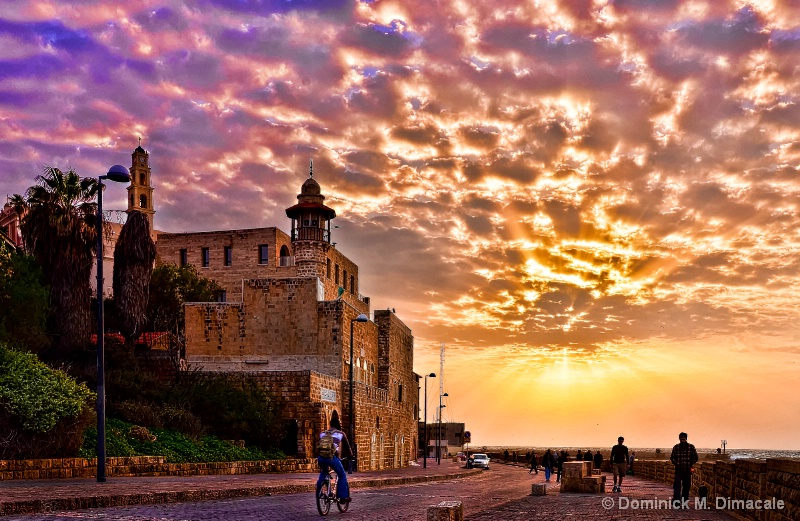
pixel 59 230
pixel 23 300
pixel 171 287
pixel 133 268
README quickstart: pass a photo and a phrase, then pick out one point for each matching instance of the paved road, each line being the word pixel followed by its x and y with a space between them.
pixel 497 494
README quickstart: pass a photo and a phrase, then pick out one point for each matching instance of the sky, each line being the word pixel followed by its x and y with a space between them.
pixel 593 204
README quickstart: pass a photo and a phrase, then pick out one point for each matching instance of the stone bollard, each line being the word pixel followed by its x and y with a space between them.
pixel 538 489
pixel 446 511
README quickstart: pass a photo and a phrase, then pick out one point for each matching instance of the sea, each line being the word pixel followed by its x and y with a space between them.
pixel 647 452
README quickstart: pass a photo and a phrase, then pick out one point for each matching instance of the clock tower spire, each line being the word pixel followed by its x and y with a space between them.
pixel 140 191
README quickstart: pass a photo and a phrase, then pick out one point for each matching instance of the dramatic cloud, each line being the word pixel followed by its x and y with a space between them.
pixel 562 191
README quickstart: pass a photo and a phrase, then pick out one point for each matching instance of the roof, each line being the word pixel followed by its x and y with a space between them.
pixel 295 210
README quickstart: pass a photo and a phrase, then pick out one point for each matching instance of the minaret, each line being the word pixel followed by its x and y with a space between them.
pixel 311 229
pixel 140 192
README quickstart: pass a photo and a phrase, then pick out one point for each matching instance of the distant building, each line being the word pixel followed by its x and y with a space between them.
pixel 10 226
pixel 289 305
pixel 448 435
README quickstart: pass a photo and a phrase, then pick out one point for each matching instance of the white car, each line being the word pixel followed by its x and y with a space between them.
pixel 480 461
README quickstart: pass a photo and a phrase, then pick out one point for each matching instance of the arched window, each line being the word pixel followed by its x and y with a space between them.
pixel 142 201
pixel 132 201
pixel 141 179
pixel 286 257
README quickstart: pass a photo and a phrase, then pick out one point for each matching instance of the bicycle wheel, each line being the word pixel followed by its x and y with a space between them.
pixel 324 498
pixel 342 505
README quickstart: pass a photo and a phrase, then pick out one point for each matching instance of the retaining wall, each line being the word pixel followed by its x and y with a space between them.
pixel 732 484
pixel 144 466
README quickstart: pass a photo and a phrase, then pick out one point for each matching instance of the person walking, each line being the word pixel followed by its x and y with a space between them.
pixel 619 463
pixel 534 464
pixel 684 456
pixel 562 457
pixel 547 463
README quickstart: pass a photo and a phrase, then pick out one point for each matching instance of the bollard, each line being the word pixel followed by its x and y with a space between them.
pixel 446 511
pixel 538 489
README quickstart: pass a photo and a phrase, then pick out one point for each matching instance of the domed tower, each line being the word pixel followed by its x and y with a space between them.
pixel 140 193
pixel 311 229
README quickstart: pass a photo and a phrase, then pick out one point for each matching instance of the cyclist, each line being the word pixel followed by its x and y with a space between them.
pixel 342 490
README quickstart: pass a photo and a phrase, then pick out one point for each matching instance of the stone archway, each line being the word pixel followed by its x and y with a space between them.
pixel 395 462
pixel 373 452
pixel 381 460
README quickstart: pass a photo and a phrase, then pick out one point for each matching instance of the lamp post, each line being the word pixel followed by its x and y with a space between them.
pixel 119 174
pixel 351 417
pixel 425 423
pixel 439 431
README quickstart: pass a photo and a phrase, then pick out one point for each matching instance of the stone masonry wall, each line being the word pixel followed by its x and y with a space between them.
pixel 245 260
pixel 731 484
pixel 245 255
pixel 143 466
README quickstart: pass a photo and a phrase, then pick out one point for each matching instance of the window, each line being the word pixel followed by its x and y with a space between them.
pixel 400 393
pixel 142 201
pixel 352 284
pixel 132 201
pixel 286 258
pixel 344 280
pixel 141 179
pixel 222 296
pixel 263 253
pixel 228 255
pixel 328 268
pixel 184 258
pixel 205 259
pixel 336 271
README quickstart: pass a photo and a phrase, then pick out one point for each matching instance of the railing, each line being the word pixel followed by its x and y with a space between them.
pixel 286 261
pixel 311 234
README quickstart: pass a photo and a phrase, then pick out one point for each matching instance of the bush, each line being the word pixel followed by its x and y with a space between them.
pixel 24 301
pixel 127 439
pixel 43 412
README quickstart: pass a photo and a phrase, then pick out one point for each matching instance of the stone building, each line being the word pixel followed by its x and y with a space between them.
pixel 289 311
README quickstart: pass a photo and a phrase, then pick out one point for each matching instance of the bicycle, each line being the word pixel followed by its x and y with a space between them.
pixel 327 495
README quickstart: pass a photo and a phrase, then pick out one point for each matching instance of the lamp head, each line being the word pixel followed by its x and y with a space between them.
pixel 445 394
pixel 362 318
pixel 432 375
pixel 119 174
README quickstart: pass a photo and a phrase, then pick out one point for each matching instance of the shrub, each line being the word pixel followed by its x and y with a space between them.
pixel 43 412
pixel 126 439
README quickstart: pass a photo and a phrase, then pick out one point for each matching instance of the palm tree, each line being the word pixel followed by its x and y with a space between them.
pixel 59 231
pixel 133 266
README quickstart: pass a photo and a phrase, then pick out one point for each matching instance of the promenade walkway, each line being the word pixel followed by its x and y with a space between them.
pixel 38 496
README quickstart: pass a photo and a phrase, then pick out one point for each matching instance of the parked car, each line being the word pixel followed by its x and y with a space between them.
pixel 480 461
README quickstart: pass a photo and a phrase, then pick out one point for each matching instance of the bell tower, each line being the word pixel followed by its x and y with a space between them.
pixel 311 228
pixel 140 192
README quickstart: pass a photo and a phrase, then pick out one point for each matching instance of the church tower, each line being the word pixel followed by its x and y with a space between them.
pixel 311 229
pixel 140 192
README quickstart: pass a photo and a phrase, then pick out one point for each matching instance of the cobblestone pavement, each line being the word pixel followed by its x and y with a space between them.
pixel 500 493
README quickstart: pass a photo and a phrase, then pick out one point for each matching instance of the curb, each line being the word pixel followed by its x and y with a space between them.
pixel 39 506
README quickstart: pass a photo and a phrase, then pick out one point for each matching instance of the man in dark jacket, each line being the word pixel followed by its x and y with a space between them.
pixel 684 456
pixel 598 460
pixel 619 463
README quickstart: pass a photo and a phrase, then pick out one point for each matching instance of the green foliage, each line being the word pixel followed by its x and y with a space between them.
pixel 24 301
pixel 60 231
pixel 122 440
pixel 37 394
pixel 171 287
pixel 237 410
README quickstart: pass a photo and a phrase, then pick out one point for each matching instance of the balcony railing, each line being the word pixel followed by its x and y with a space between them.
pixel 311 234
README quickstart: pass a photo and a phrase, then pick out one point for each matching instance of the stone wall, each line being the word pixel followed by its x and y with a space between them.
pixel 731 484
pixel 245 245
pixel 143 466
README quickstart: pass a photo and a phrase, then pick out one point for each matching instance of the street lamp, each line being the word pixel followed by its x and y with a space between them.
pixel 425 423
pixel 439 431
pixel 118 174
pixel 351 417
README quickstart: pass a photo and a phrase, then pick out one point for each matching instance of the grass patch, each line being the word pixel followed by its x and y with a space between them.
pixel 126 439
